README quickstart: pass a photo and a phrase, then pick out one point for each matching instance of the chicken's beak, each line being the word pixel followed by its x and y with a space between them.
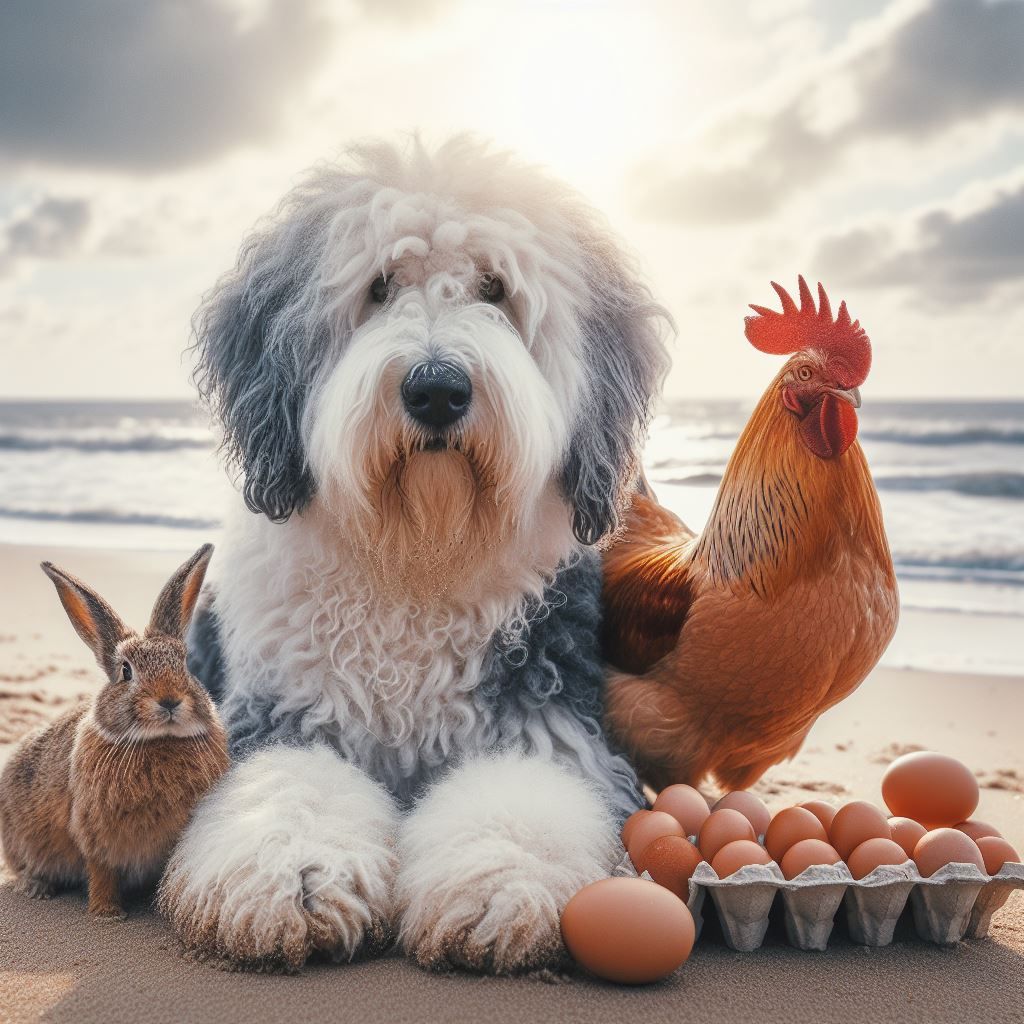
pixel 851 395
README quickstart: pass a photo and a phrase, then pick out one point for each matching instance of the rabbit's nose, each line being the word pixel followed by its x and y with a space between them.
pixel 169 703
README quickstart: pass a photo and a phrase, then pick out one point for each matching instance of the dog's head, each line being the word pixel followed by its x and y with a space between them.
pixel 446 349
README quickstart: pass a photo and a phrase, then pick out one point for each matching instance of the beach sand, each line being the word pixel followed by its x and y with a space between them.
pixel 58 965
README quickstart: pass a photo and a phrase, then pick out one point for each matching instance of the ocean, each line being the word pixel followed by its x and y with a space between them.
pixel 950 476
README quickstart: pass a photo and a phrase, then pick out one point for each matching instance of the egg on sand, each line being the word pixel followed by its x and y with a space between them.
pixel 628 930
pixel 934 789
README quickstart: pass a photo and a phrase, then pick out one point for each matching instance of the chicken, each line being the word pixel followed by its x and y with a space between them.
pixel 724 648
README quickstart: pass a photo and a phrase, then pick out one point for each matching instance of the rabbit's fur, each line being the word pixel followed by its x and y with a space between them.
pixel 102 793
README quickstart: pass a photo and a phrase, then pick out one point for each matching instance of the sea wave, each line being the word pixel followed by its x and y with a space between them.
pixel 110 517
pixel 945 436
pixel 992 484
pixel 83 442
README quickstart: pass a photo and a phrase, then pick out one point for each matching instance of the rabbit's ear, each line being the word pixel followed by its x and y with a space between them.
pixel 94 620
pixel 177 601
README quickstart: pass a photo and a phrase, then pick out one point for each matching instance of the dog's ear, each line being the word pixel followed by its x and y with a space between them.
pixel 625 361
pixel 256 335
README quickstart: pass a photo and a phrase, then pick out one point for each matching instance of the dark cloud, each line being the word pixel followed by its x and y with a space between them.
pixel 52 229
pixel 949 257
pixel 147 84
pixel 953 61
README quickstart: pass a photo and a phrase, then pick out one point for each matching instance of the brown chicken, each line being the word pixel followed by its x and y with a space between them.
pixel 726 647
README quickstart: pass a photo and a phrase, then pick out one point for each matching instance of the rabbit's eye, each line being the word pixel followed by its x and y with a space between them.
pixel 126 672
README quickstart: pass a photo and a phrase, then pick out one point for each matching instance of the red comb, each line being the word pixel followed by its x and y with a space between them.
pixel 795 330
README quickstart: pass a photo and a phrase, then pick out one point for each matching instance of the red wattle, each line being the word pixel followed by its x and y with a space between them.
pixel 830 427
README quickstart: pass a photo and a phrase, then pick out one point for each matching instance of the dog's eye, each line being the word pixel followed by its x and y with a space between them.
pixel 380 290
pixel 492 288
pixel 126 672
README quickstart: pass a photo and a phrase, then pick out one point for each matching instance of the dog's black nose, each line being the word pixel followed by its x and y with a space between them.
pixel 169 703
pixel 436 394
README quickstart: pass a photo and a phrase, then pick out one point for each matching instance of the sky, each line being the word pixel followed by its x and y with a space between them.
pixel 877 147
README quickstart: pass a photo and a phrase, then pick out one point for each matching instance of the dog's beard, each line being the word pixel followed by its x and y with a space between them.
pixel 437 522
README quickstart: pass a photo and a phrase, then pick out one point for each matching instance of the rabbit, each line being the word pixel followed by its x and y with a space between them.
pixel 102 793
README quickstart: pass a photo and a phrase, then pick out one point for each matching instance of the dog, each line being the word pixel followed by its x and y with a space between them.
pixel 433 371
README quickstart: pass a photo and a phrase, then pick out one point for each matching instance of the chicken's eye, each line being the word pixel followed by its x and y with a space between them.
pixel 804 373
pixel 492 288
pixel 380 290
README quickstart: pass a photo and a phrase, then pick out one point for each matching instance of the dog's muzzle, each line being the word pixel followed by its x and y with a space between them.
pixel 436 394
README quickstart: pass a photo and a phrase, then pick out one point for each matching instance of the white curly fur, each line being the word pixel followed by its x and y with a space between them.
pixel 490 858
pixel 293 851
pixel 366 620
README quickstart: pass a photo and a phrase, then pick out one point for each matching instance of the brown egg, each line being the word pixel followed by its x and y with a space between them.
pixel 856 822
pixel 873 853
pixel 627 930
pixel 996 851
pixel 723 826
pixel 738 854
pixel 686 805
pixel 822 810
pixel 936 790
pixel 944 846
pixel 751 807
pixel 906 832
pixel 978 829
pixel 627 828
pixel 653 826
pixel 808 852
pixel 670 861
pixel 789 827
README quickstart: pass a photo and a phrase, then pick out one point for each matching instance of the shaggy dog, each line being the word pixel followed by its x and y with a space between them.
pixel 433 372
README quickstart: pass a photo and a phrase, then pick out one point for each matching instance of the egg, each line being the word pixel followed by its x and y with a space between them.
pixel 670 861
pixel 738 854
pixel 906 832
pixel 873 853
pixel 934 789
pixel 808 852
pixel 723 826
pixel 942 846
pixel 822 810
pixel 751 807
pixel 627 828
pixel 978 829
pixel 996 851
pixel 791 826
pixel 854 823
pixel 652 826
pixel 627 930
pixel 686 805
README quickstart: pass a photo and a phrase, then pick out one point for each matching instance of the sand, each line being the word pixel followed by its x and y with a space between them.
pixel 57 964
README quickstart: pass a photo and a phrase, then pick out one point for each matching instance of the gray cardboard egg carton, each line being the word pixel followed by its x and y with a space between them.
pixel 955 903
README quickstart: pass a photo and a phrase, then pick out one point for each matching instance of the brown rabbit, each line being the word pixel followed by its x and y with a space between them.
pixel 103 792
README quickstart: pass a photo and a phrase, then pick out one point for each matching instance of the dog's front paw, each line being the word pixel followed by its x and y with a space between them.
pixel 310 873
pixel 490 858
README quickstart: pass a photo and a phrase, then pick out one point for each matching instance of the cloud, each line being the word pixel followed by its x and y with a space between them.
pixel 945 253
pixel 145 86
pixel 51 229
pixel 915 74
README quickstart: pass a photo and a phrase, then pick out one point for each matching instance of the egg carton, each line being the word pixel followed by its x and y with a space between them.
pixel 957 902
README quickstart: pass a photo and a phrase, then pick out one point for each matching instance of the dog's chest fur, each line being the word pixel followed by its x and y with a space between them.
pixel 311 652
